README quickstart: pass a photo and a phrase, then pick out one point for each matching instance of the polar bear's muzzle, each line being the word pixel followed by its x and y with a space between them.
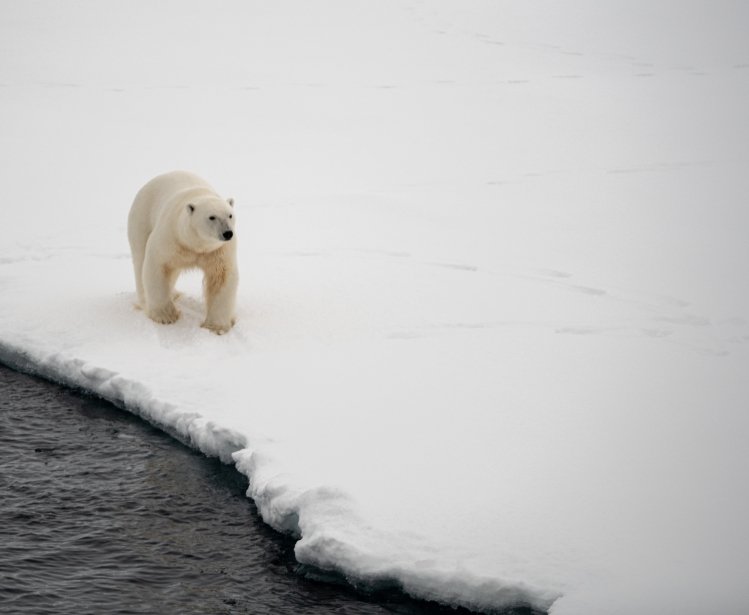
pixel 227 235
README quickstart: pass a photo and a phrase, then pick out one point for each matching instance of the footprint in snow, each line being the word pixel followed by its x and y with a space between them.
pixel 580 330
pixel 587 290
pixel 687 319
pixel 656 332
pixel 554 273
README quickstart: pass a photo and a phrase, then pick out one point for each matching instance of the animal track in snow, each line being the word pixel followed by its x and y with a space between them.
pixel 587 290
pixel 554 273
pixel 687 319
pixel 584 330
pixel 458 266
pixel 656 332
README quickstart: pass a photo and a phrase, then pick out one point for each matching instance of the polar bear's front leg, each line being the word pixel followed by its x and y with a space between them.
pixel 158 283
pixel 220 285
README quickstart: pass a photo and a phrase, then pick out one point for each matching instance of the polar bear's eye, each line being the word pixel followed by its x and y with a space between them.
pixel 230 216
pixel 211 217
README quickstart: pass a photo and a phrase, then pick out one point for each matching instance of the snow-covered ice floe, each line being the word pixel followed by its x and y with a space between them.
pixel 493 335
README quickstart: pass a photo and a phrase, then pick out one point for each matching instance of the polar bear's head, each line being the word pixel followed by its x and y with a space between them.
pixel 211 221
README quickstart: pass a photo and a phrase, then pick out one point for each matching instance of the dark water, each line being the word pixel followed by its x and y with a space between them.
pixel 101 513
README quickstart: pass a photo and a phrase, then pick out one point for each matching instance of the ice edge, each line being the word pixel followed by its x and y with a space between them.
pixel 281 506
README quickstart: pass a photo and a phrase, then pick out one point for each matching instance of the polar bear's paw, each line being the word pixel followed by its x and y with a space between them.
pixel 165 315
pixel 218 328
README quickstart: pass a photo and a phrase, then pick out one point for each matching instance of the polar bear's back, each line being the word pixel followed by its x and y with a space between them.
pixel 174 182
pixel 160 196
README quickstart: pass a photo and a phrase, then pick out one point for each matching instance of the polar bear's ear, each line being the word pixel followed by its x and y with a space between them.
pixel 190 208
pixel 231 202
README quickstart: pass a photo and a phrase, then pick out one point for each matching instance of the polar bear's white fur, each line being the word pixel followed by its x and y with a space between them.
pixel 177 222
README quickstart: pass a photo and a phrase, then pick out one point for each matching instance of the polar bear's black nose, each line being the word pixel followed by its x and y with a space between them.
pixel 228 235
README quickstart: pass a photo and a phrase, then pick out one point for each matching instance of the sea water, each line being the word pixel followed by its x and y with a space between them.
pixel 102 513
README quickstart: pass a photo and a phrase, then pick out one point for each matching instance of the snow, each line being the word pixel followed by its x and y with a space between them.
pixel 493 329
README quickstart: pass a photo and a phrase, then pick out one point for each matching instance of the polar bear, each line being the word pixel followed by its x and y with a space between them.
pixel 176 222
